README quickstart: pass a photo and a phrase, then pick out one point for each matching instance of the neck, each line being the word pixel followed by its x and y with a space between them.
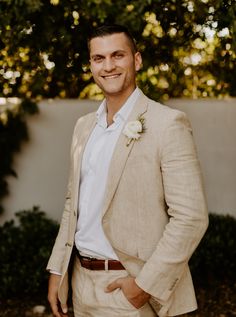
pixel 114 103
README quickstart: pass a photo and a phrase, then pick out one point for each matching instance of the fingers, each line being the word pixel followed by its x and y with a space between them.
pixel 53 284
pixel 64 308
pixel 114 285
pixel 55 310
pixel 58 309
pixel 54 304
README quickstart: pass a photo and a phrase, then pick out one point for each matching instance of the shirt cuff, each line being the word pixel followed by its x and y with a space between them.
pixel 55 272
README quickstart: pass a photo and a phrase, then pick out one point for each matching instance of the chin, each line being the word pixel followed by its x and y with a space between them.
pixel 113 91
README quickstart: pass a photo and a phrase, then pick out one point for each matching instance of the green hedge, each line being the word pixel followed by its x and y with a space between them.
pixel 25 249
pixel 24 252
pixel 215 257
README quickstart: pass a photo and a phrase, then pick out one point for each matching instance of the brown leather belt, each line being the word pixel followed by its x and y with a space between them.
pixel 99 265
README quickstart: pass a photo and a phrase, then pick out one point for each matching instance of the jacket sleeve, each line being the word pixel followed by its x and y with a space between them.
pixel 186 208
pixel 57 257
pixel 58 252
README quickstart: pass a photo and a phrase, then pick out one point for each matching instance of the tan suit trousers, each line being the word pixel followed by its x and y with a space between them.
pixel 91 300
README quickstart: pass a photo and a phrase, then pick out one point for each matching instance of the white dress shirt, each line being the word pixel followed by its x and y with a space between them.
pixel 90 239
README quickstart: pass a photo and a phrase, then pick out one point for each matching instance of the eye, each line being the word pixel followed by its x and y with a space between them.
pixel 119 55
pixel 97 59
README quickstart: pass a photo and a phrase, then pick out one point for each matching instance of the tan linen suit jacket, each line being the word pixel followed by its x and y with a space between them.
pixel 154 212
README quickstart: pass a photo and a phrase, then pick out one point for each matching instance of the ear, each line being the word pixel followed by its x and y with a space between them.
pixel 137 61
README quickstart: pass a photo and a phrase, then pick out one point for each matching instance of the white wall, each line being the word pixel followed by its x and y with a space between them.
pixel 42 165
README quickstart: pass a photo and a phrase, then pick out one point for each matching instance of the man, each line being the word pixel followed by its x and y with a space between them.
pixel 135 209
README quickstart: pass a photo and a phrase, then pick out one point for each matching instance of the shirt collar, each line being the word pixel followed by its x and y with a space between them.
pixel 124 111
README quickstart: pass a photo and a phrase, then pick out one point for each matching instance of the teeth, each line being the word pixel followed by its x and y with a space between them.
pixel 112 76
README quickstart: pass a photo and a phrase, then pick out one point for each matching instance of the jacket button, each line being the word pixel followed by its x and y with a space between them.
pixel 68 244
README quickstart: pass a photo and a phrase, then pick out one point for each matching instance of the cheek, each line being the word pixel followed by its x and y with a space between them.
pixel 129 68
pixel 95 69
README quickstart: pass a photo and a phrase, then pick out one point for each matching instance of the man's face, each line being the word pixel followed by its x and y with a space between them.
pixel 114 64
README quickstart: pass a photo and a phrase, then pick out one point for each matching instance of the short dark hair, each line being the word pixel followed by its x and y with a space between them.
pixel 110 29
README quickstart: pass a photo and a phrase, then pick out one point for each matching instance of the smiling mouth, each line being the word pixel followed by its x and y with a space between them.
pixel 111 76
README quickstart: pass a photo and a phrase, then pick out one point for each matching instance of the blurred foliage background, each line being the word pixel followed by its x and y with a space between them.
pixel 188 47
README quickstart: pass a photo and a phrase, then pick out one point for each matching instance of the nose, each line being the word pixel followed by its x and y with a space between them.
pixel 108 65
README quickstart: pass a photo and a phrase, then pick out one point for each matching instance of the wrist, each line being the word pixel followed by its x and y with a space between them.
pixel 139 290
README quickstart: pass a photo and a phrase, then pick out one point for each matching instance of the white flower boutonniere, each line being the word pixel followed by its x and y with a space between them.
pixel 133 129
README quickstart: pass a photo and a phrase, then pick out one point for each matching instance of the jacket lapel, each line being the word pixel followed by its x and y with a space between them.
pixel 121 153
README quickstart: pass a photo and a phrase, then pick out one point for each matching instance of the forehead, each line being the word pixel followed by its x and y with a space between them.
pixel 107 44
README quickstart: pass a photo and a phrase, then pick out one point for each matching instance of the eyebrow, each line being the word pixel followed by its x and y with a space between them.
pixel 112 54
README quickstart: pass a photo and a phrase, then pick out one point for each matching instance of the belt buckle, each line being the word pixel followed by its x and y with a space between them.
pixel 106 265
